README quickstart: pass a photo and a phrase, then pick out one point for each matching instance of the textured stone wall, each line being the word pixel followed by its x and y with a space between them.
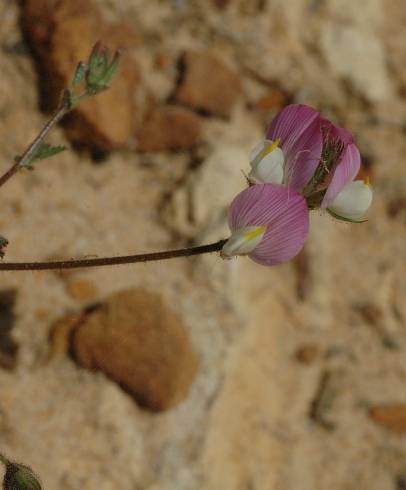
pixel 266 378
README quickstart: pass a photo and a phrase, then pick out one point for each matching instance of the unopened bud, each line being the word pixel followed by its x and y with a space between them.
pixel 100 70
pixel 20 477
pixel 3 245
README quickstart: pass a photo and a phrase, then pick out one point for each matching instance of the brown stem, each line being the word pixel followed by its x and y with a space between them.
pixel 33 147
pixel 123 259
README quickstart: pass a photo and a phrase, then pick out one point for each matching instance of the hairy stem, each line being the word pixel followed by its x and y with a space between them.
pixel 123 259
pixel 33 147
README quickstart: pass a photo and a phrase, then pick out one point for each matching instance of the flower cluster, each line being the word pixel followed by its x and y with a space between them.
pixel 304 163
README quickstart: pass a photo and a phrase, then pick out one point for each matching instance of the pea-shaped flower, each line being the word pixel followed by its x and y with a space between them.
pixel 292 149
pixel 269 223
pixel 316 158
pixel 345 198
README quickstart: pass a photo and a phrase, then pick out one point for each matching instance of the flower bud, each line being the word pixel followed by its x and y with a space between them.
pixel 3 245
pixel 20 477
pixel 100 69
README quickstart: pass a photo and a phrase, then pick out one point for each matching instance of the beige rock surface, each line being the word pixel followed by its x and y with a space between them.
pixel 255 417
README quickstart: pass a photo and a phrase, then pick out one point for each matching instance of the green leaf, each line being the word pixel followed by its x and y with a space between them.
pixel 342 218
pixel 47 151
pixel 44 151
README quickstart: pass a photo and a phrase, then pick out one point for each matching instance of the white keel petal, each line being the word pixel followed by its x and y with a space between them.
pixel 353 201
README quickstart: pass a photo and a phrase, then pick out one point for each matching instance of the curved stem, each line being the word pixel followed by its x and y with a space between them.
pixel 10 172
pixel 123 259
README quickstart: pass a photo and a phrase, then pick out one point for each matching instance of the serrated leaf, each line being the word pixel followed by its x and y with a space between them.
pixel 342 218
pixel 46 151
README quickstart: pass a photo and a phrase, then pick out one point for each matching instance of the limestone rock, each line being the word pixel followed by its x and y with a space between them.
pixel 194 209
pixel 81 289
pixel 356 54
pixel 169 128
pixel 60 334
pixel 207 85
pixel 390 416
pixel 62 34
pixel 8 345
pixel 274 100
pixel 307 354
pixel 135 339
pixel 221 4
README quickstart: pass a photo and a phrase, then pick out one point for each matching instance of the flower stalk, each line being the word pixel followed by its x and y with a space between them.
pixel 119 260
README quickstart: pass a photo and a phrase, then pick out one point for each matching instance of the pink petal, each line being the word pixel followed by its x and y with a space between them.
pixel 290 123
pixel 304 157
pixel 284 212
pixel 337 132
pixel 345 172
pixel 298 127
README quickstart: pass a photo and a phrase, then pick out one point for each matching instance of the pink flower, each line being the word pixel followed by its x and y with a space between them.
pixel 269 223
pixel 315 157
pixel 344 197
pixel 292 149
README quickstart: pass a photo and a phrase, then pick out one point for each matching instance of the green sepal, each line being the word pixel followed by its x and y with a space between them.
pixel 342 218
pixel 315 199
pixel 111 69
pixel 100 70
pixel 79 74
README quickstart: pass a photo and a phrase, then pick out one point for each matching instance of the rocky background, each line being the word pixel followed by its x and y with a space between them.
pixel 201 373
